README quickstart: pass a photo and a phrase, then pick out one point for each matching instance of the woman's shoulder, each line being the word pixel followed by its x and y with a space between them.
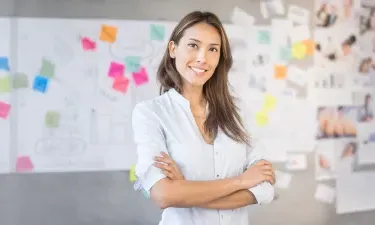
pixel 151 105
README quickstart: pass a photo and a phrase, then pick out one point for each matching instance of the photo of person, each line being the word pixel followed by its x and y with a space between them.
pixel 365 103
pixel 326 15
pixel 325 160
pixel 336 122
pixel 332 12
pixel 333 51
pixel 367 29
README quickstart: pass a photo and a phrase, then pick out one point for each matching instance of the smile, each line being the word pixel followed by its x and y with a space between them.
pixel 198 70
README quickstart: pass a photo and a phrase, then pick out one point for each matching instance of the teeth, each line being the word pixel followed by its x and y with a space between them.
pixel 197 70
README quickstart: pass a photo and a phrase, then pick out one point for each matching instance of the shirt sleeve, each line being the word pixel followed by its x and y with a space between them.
pixel 150 141
pixel 263 192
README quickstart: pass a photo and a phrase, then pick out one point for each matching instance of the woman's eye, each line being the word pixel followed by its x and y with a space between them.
pixel 214 49
pixel 193 45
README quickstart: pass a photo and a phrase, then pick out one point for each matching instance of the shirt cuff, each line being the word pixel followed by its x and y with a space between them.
pixel 263 193
pixel 152 176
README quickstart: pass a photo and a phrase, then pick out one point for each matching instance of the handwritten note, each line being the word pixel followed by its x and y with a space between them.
pixel 4 63
pixel 88 44
pixel 269 102
pixel 132 176
pixel 5 84
pixel 40 84
pixel 280 72
pixel 133 63
pixel 261 118
pixel 298 14
pixel 4 110
pixel 52 119
pixel 264 37
pixel 141 77
pixel 48 69
pixel 108 34
pixel 299 50
pixel 157 32
pixel 296 162
pixel 116 69
pixel 24 164
pixel 20 81
pixel 241 18
pixel 282 179
pixel 299 34
pixel 121 84
pixel 325 193
pixel 297 76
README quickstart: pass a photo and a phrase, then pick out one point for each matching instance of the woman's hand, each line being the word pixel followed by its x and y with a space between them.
pixel 257 173
pixel 168 166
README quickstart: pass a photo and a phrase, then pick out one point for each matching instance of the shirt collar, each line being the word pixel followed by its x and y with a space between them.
pixel 178 97
pixel 181 99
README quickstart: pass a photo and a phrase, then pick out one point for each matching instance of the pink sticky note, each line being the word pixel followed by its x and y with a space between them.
pixel 88 44
pixel 4 110
pixel 116 69
pixel 24 164
pixel 140 77
pixel 121 84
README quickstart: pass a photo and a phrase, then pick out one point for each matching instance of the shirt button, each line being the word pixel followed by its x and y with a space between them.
pixel 217 175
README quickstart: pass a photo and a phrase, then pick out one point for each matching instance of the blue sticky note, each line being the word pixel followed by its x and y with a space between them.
pixel 132 63
pixel 157 32
pixel 285 54
pixel 4 63
pixel 264 37
pixel 40 84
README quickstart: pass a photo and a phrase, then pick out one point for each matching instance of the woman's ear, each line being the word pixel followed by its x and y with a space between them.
pixel 172 49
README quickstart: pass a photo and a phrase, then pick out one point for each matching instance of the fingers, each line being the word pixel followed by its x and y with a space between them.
pixel 262 162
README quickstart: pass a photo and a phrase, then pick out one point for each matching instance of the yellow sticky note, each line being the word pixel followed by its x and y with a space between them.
pixel 269 102
pixel 261 118
pixel 132 176
pixel 299 50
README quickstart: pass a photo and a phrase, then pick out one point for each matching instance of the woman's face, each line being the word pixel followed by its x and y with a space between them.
pixel 197 54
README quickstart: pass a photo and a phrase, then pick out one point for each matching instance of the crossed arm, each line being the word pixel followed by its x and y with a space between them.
pixel 232 193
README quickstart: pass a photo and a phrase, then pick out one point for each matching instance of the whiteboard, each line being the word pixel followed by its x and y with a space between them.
pixel 5 95
pixel 74 110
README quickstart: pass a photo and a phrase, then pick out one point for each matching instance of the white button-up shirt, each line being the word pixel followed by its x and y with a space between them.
pixel 166 123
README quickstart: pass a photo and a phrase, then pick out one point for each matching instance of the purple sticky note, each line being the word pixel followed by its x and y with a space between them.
pixel 24 164
pixel 140 77
pixel 116 69
pixel 4 110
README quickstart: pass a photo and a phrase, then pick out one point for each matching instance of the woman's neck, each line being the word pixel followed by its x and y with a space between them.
pixel 195 96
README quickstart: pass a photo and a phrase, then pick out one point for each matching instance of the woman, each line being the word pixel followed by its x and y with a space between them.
pixel 194 155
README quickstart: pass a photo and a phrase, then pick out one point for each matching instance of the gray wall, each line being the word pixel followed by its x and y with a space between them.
pixel 107 197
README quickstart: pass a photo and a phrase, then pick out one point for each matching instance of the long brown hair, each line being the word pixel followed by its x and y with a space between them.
pixel 222 109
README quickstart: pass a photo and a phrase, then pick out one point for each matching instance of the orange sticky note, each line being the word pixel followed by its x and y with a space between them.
pixel 280 72
pixel 310 46
pixel 108 33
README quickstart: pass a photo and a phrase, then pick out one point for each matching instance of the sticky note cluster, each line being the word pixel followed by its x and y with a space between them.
pixel 269 103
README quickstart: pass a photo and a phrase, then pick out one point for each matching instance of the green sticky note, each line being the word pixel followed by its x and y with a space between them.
pixel 285 54
pixel 48 69
pixel 20 81
pixel 52 119
pixel 264 37
pixel 132 63
pixel 157 32
pixel 5 84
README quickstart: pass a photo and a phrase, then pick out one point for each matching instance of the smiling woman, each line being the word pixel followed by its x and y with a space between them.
pixel 194 153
